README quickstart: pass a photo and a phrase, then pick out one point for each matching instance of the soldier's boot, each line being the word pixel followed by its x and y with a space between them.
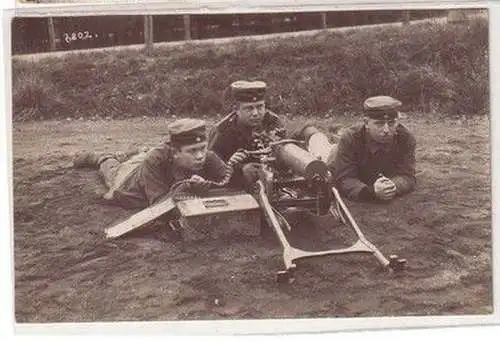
pixel 90 160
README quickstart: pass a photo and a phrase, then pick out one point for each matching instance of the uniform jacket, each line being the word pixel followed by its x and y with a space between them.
pixel 151 180
pixel 359 162
pixel 226 137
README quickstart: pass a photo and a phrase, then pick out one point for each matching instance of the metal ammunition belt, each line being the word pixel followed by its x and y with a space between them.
pixel 228 174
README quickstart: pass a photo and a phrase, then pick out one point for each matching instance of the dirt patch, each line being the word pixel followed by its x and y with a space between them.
pixel 66 271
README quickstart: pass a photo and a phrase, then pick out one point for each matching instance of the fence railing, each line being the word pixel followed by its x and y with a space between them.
pixel 34 35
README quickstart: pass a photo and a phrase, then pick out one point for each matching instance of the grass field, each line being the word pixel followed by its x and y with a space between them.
pixel 66 271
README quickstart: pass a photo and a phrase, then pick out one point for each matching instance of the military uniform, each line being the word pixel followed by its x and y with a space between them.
pixel 229 134
pixel 360 161
pixel 233 133
pixel 226 137
pixel 148 176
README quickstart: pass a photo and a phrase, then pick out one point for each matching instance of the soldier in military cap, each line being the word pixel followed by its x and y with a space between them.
pixel 236 130
pixel 375 161
pixel 147 177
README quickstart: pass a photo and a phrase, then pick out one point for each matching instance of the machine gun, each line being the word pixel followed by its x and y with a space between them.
pixel 288 168
pixel 293 175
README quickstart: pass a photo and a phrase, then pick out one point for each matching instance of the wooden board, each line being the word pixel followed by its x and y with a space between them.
pixel 140 218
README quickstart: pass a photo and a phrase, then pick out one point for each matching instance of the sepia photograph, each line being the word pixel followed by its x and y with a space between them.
pixel 251 165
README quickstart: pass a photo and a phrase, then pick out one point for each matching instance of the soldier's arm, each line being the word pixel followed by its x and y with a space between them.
pixel 279 122
pixel 212 138
pixel 156 183
pixel 216 167
pixel 404 175
pixel 274 120
pixel 219 144
pixel 345 172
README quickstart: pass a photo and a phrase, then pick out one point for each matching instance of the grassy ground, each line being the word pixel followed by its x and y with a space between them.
pixel 432 68
pixel 66 271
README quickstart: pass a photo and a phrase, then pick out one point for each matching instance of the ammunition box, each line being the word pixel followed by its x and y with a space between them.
pixel 219 217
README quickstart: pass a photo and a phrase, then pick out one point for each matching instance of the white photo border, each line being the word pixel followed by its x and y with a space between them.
pixel 237 327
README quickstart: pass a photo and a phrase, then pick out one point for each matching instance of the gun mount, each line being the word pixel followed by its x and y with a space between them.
pixel 293 177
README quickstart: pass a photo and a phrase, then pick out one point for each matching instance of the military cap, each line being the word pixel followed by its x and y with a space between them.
pixel 187 131
pixel 381 107
pixel 245 91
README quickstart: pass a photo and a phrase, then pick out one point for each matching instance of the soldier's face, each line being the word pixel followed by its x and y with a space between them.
pixel 382 131
pixel 251 114
pixel 191 157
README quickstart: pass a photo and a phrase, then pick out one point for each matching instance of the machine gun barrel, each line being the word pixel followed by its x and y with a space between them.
pixel 318 144
pixel 301 161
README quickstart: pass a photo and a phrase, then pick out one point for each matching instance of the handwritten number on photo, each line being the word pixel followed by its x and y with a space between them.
pixel 68 38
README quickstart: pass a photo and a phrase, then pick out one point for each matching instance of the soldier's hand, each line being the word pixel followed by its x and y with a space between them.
pixel 237 158
pixel 251 171
pixel 384 188
pixel 196 178
pixel 178 189
pixel 198 184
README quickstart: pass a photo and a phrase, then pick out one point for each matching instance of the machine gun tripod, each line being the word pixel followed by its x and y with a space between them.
pixel 312 190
